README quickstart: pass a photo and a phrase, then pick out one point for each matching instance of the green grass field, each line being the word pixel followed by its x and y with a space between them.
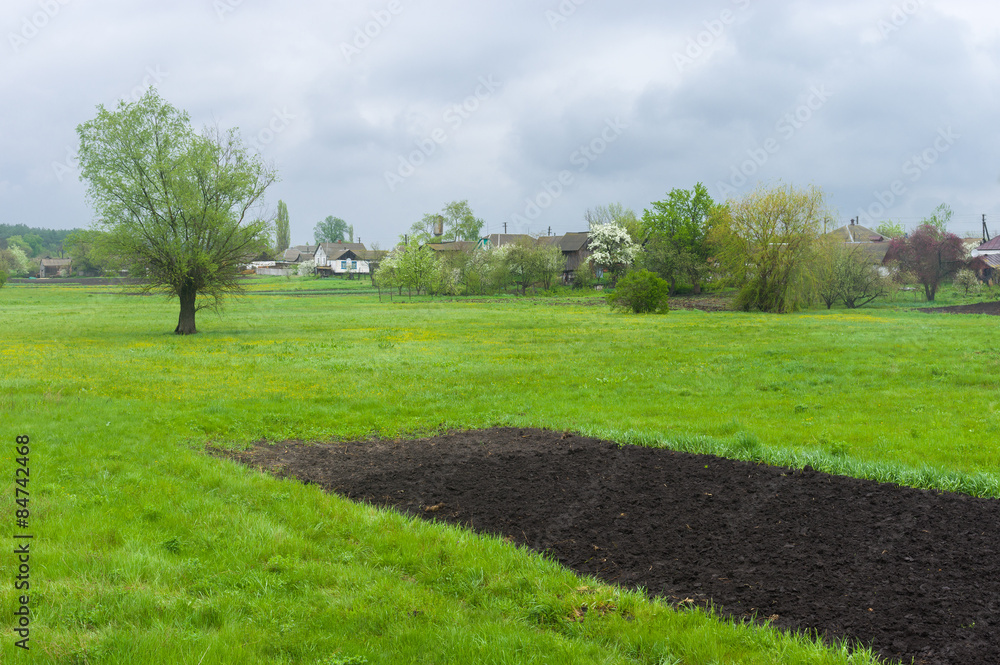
pixel 147 550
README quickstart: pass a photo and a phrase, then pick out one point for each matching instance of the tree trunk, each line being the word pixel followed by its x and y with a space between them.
pixel 185 324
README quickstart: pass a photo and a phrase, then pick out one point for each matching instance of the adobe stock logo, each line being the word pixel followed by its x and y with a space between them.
pixel 455 116
pixel 787 127
pixel 900 16
pixel 279 122
pixel 715 28
pixel 153 78
pixel 371 30
pixel 224 7
pixel 914 168
pixel 32 25
pixel 581 158
pixel 561 14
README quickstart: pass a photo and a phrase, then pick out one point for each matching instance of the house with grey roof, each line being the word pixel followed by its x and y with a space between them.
pixel 55 267
pixel 341 258
pixel 872 243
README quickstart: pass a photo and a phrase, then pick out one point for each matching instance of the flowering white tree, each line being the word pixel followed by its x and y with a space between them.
pixel 307 268
pixel 613 248
pixel 13 260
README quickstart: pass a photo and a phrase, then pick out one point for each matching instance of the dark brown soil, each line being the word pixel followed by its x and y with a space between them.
pixel 914 573
pixel 977 308
pixel 702 302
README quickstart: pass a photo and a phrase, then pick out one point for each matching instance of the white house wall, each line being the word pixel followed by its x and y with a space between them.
pixel 320 257
pixel 362 267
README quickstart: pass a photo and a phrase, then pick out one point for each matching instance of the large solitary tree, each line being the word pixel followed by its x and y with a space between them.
pixel 177 207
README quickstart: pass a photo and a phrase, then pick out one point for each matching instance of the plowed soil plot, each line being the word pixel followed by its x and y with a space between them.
pixel 914 573
pixel 992 308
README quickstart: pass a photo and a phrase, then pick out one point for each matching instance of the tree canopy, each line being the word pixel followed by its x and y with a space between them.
pixel 87 248
pixel 929 253
pixel 459 224
pixel 612 249
pixel 765 240
pixel 38 241
pixel 939 218
pixel 615 213
pixel 331 229
pixel 677 229
pixel 177 207
pixel 890 229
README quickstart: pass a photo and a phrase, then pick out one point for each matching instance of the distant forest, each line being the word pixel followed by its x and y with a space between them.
pixel 42 241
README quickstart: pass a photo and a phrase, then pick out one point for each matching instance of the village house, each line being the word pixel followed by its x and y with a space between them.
pixel 55 267
pixel 872 243
pixel 444 248
pixel 341 258
pixel 575 248
pixel 985 260
pixel 298 254
pixel 504 239
pixel 288 263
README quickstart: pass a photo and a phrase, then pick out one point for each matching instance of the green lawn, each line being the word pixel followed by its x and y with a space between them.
pixel 148 550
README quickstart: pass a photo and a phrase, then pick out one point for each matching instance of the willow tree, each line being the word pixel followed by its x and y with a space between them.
pixel 766 240
pixel 177 207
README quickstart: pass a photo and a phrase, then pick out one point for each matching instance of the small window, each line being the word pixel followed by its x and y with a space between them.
pixel 343 265
pixel 354 265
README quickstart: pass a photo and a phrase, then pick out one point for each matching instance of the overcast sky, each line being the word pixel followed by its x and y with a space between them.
pixel 379 112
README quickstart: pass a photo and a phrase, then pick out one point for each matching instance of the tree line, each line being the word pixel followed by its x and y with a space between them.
pixel 769 245
pixel 184 210
pixel 22 247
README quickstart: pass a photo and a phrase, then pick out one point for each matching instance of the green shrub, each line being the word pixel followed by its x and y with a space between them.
pixel 640 291
pixel 3 278
pixel 583 277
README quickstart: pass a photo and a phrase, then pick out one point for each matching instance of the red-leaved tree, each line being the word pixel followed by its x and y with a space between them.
pixel 928 253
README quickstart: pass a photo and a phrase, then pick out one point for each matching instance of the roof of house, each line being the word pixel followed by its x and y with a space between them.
pixel 875 251
pixel 985 261
pixel 308 249
pixel 331 248
pixel 856 233
pixel 456 246
pixel 372 254
pixel 502 239
pixel 293 255
pixel 56 263
pixel 573 242
pixel 990 245
pixel 343 254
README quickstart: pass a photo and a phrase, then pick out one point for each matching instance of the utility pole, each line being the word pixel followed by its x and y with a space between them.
pixel 986 233
pixel 505 228
pixel 550 230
